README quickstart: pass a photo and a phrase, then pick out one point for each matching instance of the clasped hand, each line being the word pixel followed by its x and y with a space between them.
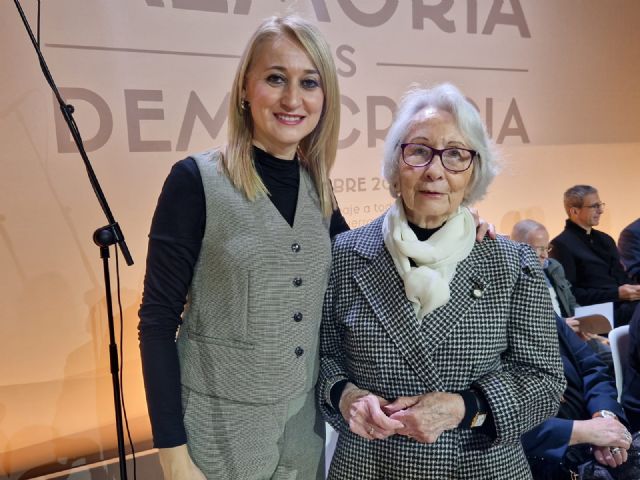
pixel 421 417
pixel 610 441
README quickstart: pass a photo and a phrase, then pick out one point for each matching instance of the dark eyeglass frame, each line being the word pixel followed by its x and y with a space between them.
pixel 596 206
pixel 439 153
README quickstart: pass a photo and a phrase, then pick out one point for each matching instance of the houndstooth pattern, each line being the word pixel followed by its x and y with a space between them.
pixel 502 341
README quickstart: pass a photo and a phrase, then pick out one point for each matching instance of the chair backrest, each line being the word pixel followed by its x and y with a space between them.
pixel 619 341
pixel 329 447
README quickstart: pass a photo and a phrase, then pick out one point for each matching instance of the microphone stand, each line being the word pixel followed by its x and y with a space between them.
pixel 104 237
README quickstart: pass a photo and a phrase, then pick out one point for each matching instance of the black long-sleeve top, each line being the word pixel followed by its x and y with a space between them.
pixel 175 240
pixel 591 264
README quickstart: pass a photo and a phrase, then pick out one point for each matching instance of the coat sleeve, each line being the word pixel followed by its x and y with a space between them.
pixel 631 389
pixel 332 354
pixel 598 387
pixel 527 390
pixel 549 440
pixel 629 247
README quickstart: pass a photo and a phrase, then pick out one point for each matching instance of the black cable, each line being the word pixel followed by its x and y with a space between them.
pixel 124 408
pixel 67 113
pixel 113 236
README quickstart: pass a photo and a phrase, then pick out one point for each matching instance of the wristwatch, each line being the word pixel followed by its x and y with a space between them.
pixel 480 416
pixel 474 416
pixel 478 419
pixel 604 414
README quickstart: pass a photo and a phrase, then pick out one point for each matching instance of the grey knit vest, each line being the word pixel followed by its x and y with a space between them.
pixel 250 329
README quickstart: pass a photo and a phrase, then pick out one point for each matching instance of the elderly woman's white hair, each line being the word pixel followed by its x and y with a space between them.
pixel 448 98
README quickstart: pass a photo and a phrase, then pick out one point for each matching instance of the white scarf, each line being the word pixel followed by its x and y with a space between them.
pixel 427 285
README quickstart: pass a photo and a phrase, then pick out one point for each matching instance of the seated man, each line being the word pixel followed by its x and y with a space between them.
pixel 590 258
pixel 629 248
pixel 564 303
pixel 590 424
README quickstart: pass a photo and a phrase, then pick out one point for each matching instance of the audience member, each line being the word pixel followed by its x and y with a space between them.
pixel 536 236
pixel 564 303
pixel 629 248
pixel 590 423
pixel 590 258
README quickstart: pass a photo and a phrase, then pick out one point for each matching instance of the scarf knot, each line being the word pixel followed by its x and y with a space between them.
pixel 427 284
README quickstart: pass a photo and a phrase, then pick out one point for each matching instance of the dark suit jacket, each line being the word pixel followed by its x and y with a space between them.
pixel 562 287
pixel 582 368
pixel 496 333
pixel 629 247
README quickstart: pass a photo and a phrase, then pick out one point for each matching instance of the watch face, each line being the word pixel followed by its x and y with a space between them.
pixel 607 413
pixel 478 420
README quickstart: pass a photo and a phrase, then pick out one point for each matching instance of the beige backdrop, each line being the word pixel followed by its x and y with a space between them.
pixel 557 83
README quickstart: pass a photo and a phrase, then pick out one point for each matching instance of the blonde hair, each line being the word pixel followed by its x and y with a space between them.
pixel 317 151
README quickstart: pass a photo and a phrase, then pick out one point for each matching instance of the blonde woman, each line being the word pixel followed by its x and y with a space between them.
pixel 243 233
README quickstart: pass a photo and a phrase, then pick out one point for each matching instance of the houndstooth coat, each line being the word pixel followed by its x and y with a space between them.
pixel 497 333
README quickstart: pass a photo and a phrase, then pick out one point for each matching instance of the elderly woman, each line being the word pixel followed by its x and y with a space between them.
pixel 437 353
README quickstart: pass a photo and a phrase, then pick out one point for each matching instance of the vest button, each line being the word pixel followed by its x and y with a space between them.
pixel 295 247
pixel 297 282
pixel 297 316
pixel 299 351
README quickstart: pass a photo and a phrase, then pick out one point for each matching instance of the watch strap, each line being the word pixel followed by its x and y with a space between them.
pixel 470 408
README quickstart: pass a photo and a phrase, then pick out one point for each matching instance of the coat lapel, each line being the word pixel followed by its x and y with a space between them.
pixel 383 288
pixel 467 287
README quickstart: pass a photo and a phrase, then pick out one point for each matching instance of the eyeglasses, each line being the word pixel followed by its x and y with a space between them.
pixel 541 250
pixel 453 159
pixel 595 206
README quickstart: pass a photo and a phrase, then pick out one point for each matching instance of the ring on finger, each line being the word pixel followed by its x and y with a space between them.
pixel 615 450
pixel 371 430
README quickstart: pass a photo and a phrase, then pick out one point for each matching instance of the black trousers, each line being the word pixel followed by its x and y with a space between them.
pixel 623 311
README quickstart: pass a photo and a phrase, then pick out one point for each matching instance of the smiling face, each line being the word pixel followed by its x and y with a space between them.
pixel 431 193
pixel 284 91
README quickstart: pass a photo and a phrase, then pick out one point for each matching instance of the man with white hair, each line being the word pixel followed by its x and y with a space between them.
pixel 536 236
pixel 564 303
